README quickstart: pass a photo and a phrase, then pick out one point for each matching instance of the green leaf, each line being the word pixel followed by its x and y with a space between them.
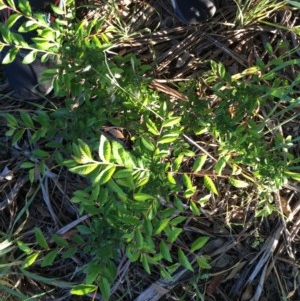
pixel 293 175
pixel 238 183
pixel 294 3
pixel 84 152
pixel 141 197
pixel 85 230
pixel 83 289
pixel 113 186
pixel 139 239
pixel 132 256
pixel 25 7
pixel 123 174
pixel 187 181
pixel 39 153
pixel 202 262
pixel 104 288
pixel 127 159
pixel 11 3
pixel 221 70
pixel 26 119
pixel 18 135
pixel 147 143
pixel 9 132
pixel 171 122
pixel 69 253
pixel 209 184
pixel 104 150
pixel 30 260
pixel 10 56
pixel 148 227
pixel 194 208
pixel 27 165
pixel 145 263
pixel 221 165
pixel 151 126
pixel 162 225
pixel 168 138
pixel 11 120
pixel 59 240
pixel 40 238
pixel 49 258
pixel 165 252
pixel 105 175
pixel 199 243
pixel 173 234
pixel 57 10
pixel 84 169
pixel 178 220
pixel 165 274
pixel 184 260
pixel 170 178
pixel 24 247
pixel 177 162
pixel 28 26
pixel 30 57
pixel 199 162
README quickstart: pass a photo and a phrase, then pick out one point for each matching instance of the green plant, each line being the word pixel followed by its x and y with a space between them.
pixel 139 153
pixel 128 188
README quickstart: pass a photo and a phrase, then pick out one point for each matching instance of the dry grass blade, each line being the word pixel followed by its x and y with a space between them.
pixel 265 254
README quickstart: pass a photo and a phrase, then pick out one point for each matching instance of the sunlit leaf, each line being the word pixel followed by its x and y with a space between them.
pixel 147 143
pixel 142 197
pixel 171 121
pixel 105 175
pixel 10 56
pixel 57 10
pixel 209 184
pixel 199 162
pixel 30 57
pixel 104 149
pixel 293 175
pixel 221 165
pixel 83 289
pixel 171 178
pixel 238 183
pixel 151 127
pixel 168 138
pixel 24 247
pixel 194 208
pixel 30 260
pixel 187 181
pixel 84 169
pixel 85 151
pixel 184 260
